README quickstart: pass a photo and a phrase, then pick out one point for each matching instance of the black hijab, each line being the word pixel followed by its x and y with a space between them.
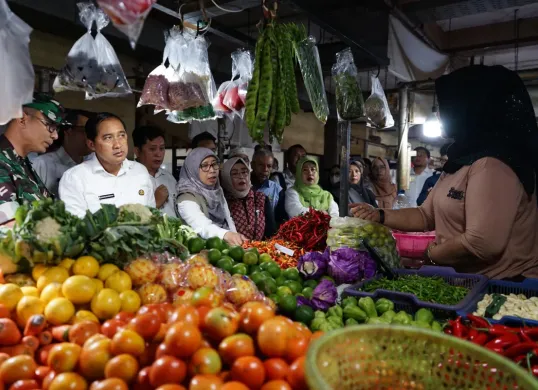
pixel 488 112
pixel 360 187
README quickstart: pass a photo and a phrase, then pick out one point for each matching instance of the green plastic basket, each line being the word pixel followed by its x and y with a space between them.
pixel 399 358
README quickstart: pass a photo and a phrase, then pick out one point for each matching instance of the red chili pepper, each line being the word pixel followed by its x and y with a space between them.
pixel 478 322
pixel 480 339
pixel 530 332
pixel 521 349
pixel 458 328
pixel 504 341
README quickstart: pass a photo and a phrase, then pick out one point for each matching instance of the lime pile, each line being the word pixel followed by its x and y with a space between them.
pixel 282 286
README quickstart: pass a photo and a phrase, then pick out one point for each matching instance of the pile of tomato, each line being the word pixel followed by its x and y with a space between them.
pixel 162 347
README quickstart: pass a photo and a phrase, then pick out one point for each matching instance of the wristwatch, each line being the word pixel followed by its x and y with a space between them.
pixel 381 216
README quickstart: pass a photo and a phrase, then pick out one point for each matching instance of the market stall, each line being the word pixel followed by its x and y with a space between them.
pixel 127 297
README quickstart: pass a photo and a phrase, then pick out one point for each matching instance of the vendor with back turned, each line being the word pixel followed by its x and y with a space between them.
pixel 484 207
pixel 306 192
pixel 34 132
pixel 108 177
pixel 201 202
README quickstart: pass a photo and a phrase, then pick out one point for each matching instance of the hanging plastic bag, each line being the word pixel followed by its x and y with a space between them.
pixel 17 76
pixel 309 62
pixel 155 90
pixel 218 102
pixel 112 81
pixel 349 100
pixel 192 88
pixel 128 15
pixel 80 72
pixel 241 74
pixel 376 107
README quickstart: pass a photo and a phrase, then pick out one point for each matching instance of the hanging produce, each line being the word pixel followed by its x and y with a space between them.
pixel 192 88
pixel 306 53
pixel 376 107
pixel 128 15
pixel 349 100
pixel 92 65
pixel 231 96
pixel 272 93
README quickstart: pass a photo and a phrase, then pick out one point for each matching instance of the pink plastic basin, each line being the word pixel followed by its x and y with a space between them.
pixel 413 245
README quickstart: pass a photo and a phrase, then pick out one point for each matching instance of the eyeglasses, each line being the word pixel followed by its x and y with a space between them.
pixel 51 127
pixel 206 167
pixel 239 175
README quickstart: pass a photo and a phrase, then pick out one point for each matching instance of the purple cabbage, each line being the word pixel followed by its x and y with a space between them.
pixel 313 265
pixel 324 295
pixel 348 265
pixel 304 301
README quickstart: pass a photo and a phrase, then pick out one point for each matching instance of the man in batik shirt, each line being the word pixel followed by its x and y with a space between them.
pixel 34 132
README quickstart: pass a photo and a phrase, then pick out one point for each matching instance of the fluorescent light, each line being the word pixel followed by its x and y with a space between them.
pixel 432 127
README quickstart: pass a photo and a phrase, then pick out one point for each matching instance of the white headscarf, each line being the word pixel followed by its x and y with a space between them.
pixel 189 182
pixel 226 176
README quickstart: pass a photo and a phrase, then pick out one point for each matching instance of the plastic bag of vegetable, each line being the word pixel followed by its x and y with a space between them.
pixel 349 232
pixel 155 90
pixel 112 81
pixel 128 15
pixel 307 54
pixel 236 91
pixel 218 102
pixel 80 72
pixel 349 100
pixel 17 76
pixel 192 90
pixel 376 107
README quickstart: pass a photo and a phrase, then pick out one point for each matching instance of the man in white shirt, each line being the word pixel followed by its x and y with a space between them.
pixel 149 150
pixel 293 155
pixel 419 174
pixel 108 177
pixel 52 165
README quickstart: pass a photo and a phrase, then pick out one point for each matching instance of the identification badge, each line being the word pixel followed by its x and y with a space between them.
pixel 107 196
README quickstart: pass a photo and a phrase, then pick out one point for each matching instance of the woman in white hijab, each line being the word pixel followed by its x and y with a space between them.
pixel 201 202
pixel 251 210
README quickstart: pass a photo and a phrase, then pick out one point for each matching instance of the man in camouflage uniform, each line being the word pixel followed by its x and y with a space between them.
pixel 34 132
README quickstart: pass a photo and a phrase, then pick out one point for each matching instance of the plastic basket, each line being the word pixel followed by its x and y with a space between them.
pixel 410 303
pixel 398 357
pixel 413 245
pixel 529 288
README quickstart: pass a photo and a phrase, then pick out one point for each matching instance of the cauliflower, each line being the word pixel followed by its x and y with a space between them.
pixel 47 229
pixel 137 212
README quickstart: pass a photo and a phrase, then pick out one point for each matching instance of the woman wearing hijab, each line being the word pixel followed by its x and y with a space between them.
pixel 358 193
pixel 306 192
pixel 385 191
pixel 201 202
pixel 250 210
pixel 483 208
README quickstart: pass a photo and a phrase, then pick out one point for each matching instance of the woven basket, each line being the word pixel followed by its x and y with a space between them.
pixel 400 358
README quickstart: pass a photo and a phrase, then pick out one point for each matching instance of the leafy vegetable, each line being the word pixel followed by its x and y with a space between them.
pixel 313 265
pixel 347 265
pixel 323 297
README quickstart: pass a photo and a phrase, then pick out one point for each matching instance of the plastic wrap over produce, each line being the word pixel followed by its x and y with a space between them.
pixel 348 232
pixel 192 87
pixel 349 100
pixel 309 62
pixel 168 279
pixel 17 77
pixel 376 107
pixel 128 15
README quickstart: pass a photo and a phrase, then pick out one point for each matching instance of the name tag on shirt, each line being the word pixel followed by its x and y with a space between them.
pixel 108 196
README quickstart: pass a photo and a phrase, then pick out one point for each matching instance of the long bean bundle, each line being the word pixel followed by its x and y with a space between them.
pixel 272 92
